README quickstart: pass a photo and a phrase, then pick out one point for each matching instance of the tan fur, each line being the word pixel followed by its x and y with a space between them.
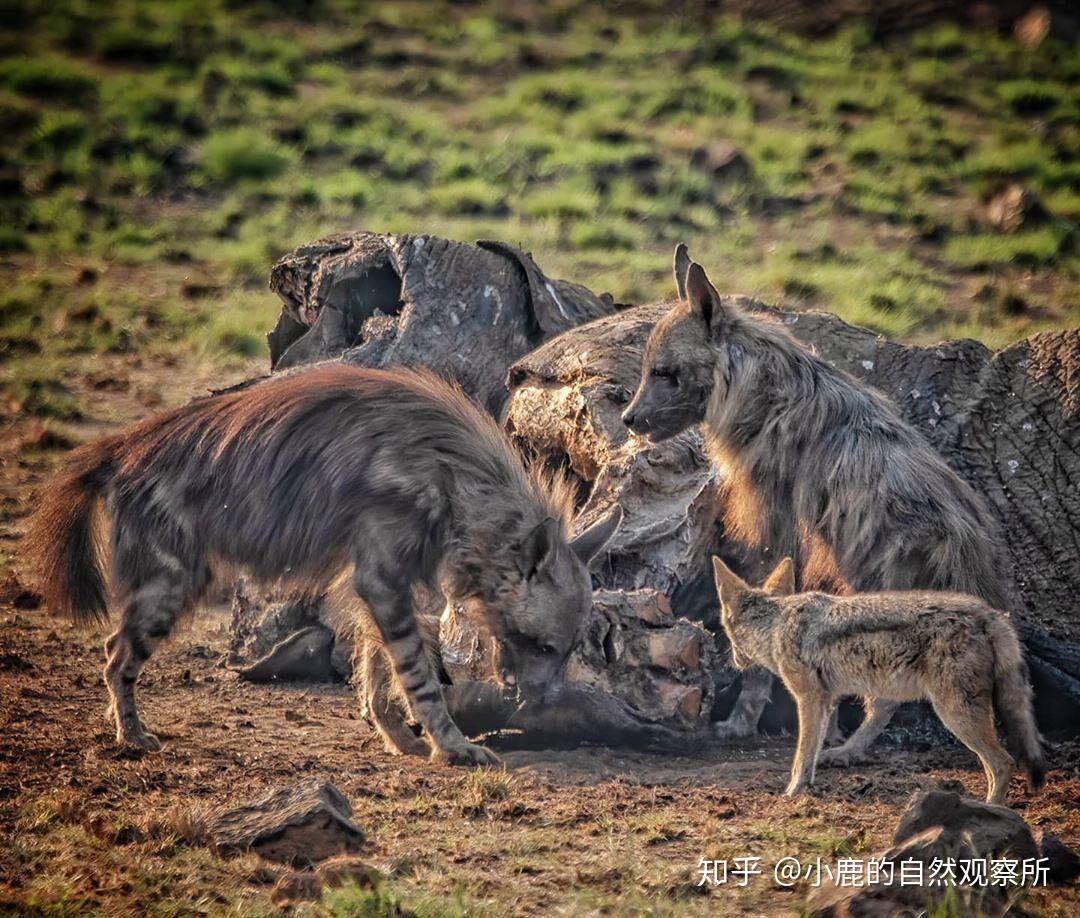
pixel 948 648
pixel 814 463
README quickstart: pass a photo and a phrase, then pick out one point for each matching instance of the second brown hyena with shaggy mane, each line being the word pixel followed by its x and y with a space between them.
pixel 818 466
pixel 391 475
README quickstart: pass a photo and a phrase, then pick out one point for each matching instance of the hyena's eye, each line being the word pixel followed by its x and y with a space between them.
pixel 547 649
pixel 665 374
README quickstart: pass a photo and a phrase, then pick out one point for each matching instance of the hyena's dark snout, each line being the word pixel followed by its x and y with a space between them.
pixel 543 684
pixel 636 419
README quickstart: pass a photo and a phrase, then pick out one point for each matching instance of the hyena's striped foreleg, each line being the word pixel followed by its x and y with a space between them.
pixel 380 701
pixel 389 600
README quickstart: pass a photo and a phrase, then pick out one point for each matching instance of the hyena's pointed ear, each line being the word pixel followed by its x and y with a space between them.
pixel 588 545
pixel 729 585
pixel 682 265
pixel 539 546
pixel 702 297
pixel 781 582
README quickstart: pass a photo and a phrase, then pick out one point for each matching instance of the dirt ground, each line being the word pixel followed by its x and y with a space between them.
pixel 88 825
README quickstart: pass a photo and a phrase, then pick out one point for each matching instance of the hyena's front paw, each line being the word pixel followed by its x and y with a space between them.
pixel 139 738
pixel 466 754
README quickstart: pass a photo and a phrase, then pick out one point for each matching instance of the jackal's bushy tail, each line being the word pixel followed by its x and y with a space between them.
pixel 64 536
pixel 1012 698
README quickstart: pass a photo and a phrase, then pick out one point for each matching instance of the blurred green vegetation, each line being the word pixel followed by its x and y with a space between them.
pixel 160 145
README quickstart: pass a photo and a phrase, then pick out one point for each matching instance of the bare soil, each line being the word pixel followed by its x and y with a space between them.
pixel 584 829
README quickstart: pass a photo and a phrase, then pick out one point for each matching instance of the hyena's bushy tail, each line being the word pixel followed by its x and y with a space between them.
pixel 1012 698
pixel 64 539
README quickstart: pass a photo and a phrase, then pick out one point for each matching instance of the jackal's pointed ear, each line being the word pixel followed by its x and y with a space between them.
pixel 539 547
pixel 729 585
pixel 682 265
pixel 589 543
pixel 781 582
pixel 702 297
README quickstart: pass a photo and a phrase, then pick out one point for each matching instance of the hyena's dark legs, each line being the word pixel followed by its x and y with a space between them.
pixel 149 613
pixel 754 694
pixel 383 579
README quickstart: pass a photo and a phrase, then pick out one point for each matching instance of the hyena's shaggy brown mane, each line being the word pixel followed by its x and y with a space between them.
pixel 819 466
pixel 393 475
pixel 260 433
pixel 816 462
pixel 858 482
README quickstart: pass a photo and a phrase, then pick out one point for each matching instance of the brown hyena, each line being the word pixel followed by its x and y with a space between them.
pixel 951 649
pixel 817 466
pixel 395 476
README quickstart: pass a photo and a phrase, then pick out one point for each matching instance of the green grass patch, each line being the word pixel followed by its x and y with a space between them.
pixel 49 78
pixel 1030 248
pixel 244 154
pixel 216 136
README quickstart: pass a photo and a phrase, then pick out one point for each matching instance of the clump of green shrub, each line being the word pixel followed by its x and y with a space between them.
pixel 50 79
pixel 244 154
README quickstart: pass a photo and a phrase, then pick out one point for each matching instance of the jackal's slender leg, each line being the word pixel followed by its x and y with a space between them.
pixel 972 722
pixel 813 714
pixel 878 714
pixel 149 614
pixel 754 694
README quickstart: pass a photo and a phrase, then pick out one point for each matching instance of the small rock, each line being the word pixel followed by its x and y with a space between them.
pixel 723 161
pixel 1013 208
pixel 1063 864
pixel 938 825
pixel 341 870
pixel 295 886
pixel 1031 28
pixel 305 885
pixel 989 829
pixel 300 825
pixel 303 656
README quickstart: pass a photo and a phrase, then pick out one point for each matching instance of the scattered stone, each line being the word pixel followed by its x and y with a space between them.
pixel 938 826
pixel 1014 208
pixel 1063 863
pixel 299 825
pixel 338 871
pixel 987 829
pixel 295 886
pixel 724 162
pixel 1033 27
